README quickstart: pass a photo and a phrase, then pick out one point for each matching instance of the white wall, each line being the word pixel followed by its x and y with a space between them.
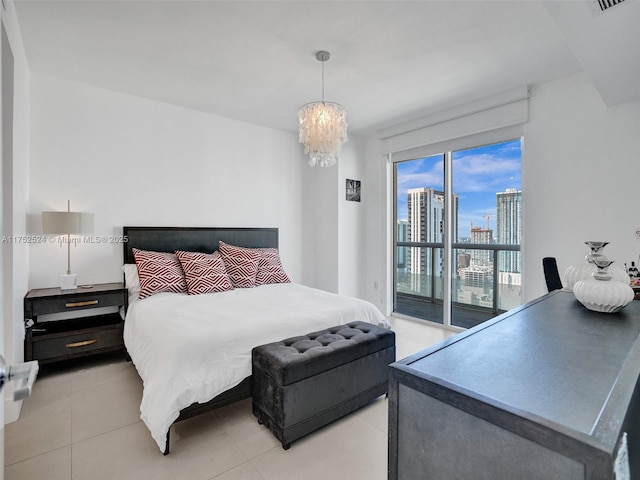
pixel 133 161
pixel 581 171
pixel 333 227
pixel 581 174
pixel 351 215
pixel 16 274
pixel 320 236
pixel 378 232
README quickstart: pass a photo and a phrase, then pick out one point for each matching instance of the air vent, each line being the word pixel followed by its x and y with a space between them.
pixel 602 5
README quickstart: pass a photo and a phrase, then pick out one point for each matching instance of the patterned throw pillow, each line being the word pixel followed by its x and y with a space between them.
pixel 270 267
pixel 204 273
pixel 241 264
pixel 159 272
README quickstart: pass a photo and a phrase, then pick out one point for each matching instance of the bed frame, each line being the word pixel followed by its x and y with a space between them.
pixel 199 239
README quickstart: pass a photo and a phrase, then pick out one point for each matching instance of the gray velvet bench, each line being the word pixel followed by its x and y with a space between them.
pixel 303 383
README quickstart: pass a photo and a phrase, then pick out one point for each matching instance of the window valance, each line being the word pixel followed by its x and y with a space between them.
pixel 473 123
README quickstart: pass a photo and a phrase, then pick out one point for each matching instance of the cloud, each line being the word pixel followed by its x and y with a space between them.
pixel 424 172
pixel 478 174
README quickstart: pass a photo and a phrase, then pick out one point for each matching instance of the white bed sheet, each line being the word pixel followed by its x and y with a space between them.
pixel 191 348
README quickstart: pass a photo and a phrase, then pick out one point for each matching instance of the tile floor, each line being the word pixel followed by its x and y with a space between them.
pixel 83 422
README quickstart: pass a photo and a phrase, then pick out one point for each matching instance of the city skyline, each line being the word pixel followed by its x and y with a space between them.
pixel 478 175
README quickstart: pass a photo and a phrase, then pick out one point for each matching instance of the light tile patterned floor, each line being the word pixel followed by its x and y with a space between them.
pixel 83 423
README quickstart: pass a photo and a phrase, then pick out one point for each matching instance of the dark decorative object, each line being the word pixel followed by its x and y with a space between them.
pixel 353 190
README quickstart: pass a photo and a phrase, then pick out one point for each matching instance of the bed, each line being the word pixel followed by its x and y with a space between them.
pixel 193 352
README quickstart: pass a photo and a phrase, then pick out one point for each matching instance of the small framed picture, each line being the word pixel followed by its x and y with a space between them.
pixel 353 190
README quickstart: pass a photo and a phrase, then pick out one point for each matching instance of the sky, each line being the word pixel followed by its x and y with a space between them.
pixel 478 174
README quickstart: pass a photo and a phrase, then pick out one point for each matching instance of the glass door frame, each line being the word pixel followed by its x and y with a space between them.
pixel 448 246
pixel 431 245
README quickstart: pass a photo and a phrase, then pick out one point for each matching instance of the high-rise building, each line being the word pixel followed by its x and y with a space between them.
pixel 402 236
pixel 509 228
pixel 481 235
pixel 464 260
pixel 426 224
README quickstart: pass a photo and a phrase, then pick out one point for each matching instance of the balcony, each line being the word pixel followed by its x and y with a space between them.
pixel 479 291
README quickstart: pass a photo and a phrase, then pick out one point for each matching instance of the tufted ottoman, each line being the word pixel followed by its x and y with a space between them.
pixel 303 383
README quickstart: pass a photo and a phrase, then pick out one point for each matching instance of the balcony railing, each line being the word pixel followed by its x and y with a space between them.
pixel 483 284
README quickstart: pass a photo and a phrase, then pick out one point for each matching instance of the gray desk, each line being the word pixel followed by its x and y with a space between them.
pixel 545 391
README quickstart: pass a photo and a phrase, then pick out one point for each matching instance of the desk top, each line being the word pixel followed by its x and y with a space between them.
pixel 551 359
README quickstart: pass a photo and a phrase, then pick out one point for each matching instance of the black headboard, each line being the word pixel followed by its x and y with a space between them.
pixel 194 239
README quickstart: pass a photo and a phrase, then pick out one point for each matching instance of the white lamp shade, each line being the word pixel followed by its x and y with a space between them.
pixel 67 223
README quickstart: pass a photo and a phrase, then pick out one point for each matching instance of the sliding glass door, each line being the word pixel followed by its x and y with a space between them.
pixel 458 224
pixel 420 214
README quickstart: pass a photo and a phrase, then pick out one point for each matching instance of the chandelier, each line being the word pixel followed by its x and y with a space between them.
pixel 323 126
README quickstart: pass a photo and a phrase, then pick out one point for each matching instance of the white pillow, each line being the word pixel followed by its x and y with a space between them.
pixel 131 280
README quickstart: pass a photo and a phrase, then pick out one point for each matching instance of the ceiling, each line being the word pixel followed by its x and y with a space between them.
pixel 390 60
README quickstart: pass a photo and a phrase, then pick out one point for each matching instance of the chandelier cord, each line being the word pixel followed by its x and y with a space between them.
pixel 322 126
pixel 322 80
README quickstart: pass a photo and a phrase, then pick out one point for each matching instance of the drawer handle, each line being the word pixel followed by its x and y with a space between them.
pixel 81 304
pixel 84 343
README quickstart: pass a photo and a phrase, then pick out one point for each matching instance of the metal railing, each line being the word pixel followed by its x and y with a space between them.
pixel 434 246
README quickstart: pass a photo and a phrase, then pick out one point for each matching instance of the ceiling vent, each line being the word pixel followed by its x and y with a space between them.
pixel 599 6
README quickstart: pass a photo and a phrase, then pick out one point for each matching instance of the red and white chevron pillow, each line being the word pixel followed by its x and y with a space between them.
pixel 241 264
pixel 159 272
pixel 204 273
pixel 270 267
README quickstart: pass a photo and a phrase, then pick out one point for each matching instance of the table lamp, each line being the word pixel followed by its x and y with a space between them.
pixel 67 223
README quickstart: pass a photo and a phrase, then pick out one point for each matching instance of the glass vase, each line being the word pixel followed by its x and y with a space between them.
pixel 583 271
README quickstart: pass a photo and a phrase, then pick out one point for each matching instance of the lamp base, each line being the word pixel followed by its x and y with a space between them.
pixel 69 282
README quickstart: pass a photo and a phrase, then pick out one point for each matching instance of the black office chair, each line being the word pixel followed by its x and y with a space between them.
pixel 551 275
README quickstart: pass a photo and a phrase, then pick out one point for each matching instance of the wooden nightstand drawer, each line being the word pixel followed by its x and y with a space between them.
pixel 59 342
pixel 74 335
pixel 53 300
pixel 69 303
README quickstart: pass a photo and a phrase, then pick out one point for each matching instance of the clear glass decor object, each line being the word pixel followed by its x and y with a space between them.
pixel 600 292
pixel 582 271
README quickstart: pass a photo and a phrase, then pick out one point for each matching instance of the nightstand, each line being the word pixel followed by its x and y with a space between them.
pixel 56 340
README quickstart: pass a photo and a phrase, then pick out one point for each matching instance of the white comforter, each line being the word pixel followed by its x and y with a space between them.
pixel 191 348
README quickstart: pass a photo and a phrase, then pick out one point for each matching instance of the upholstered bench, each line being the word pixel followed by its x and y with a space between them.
pixel 303 383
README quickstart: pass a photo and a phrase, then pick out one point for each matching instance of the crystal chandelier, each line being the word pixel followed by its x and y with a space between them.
pixel 323 126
